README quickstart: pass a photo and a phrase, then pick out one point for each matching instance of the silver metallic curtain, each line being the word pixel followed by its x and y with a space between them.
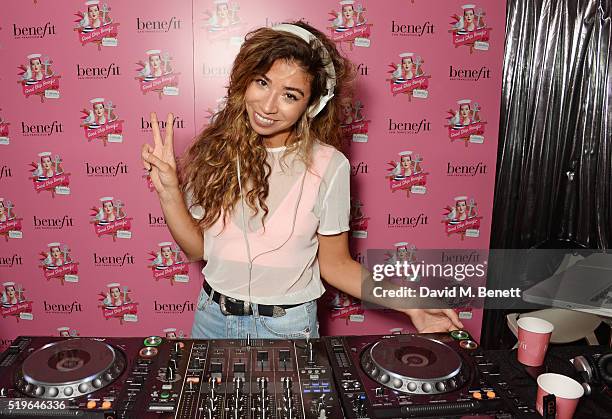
pixel 554 167
pixel 554 163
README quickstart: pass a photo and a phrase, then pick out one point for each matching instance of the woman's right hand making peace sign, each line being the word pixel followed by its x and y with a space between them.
pixel 159 159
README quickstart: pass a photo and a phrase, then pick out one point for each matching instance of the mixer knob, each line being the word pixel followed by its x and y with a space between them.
pixel 384 378
pixel 412 386
pixel 440 386
pixel 83 387
pixel 397 383
pixel 97 383
pixel 68 391
pixel 427 387
pixel 374 372
pixel 53 391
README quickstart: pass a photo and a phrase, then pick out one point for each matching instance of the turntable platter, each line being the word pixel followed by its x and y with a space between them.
pixel 70 368
pixel 414 364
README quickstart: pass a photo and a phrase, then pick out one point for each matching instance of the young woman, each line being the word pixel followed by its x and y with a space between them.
pixel 268 193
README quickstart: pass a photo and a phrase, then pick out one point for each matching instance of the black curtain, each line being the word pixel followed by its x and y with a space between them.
pixel 554 167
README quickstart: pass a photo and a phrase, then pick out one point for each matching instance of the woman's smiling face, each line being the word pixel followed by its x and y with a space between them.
pixel 275 101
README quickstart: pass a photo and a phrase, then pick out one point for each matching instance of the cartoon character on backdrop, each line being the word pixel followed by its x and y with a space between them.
pixel 14 302
pixel 173 333
pixel 462 218
pixel 109 211
pixel 66 332
pixel 224 16
pixel 470 29
pixel 4 131
pixel 465 123
pixel 407 174
pixel 117 303
pixel 157 74
pixel 404 253
pixel 110 219
pixel 349 24
pixel 408 76
pixel 101 122
pixel 10 225
pixel 168 263
pixel 95 25
pixel 48 174
pixel 37 77
pixel 358 222
pixel 353 125
pixel 56 262
pixel 345 307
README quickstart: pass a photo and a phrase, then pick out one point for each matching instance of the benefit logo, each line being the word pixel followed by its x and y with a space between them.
pixel 96 26
pixel 349 25
pixel 38 78
pixel 156 74
pixel 223 22
pixel 465 123
pixel 408 77
pixel 48 175
pixel 462 218
pixel 470 30
pixel 56 262
pixel 167 263
pixel 354 125
pixel 10 225
pixel 110 219
pixel 14 302
pixel 116 303
pixel 358 222
pixel 407 174
pixel 4 131
pixel 100 122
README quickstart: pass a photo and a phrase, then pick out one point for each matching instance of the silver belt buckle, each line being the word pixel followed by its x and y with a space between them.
pixel 278 311
pixel 222 305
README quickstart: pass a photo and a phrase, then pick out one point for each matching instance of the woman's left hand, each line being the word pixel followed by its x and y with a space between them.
pixel 434 320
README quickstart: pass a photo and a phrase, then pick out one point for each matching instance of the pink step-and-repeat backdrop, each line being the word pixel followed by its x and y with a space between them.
pixel 84 249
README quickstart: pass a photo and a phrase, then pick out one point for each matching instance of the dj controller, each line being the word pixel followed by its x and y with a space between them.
pixel 395 376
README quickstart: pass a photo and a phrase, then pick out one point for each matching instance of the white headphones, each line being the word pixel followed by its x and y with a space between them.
pixel 330 83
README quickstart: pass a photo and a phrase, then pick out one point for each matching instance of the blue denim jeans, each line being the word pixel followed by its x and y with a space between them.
pixel 298 322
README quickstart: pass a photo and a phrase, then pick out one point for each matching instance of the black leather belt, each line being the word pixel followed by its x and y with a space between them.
pixel 235 307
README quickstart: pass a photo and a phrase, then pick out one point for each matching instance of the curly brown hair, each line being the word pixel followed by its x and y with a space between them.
pixel 208 168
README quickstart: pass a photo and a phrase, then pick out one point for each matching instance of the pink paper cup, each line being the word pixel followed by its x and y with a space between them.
pixel 566 390
pixel 533 335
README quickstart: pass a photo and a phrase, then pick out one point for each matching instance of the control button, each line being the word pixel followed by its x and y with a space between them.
pixel 83 387
pixel 91 404
pixel 468 344
pixel 384 378
pixel 427 387
pixel 477 395
pixel 106 404
pixel 53 391
pixel 379 391
pixel 68 391
pixel 460 334
pixel 164 395
pixel 397 383
pixel 153 341
pixel 440 386
pixel 491 394
pixel 412 386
